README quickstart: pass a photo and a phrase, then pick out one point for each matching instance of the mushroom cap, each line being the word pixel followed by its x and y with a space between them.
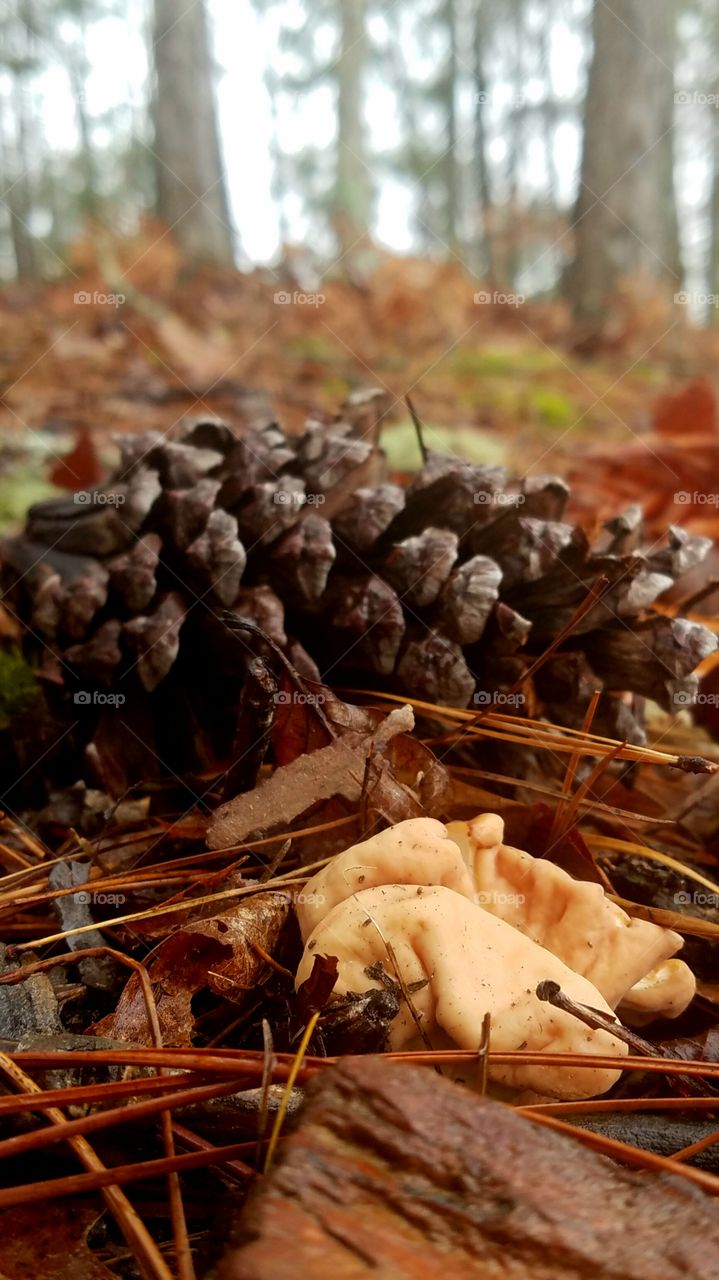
pixel 417 851
pixel 573 918
pixel 665 992
pixel 473 963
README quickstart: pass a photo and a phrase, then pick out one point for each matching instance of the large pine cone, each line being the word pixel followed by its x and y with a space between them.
pixel 446 590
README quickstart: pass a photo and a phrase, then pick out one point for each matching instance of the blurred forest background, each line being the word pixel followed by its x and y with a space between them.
pixel 510 205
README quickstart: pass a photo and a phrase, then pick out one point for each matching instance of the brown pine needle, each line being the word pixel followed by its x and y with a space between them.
pixel 149 1259
pixel 694 1148
pixel 192 1140
pixel 617 1105
pixel 67 1130
pixel 629 1155
pixel 112 1091
pixel 81 1184
pixel 559 826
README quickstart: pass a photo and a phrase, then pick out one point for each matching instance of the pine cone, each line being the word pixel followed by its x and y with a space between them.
pixel 446 590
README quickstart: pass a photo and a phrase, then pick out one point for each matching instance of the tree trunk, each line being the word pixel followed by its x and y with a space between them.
pixel 452 180
pixel 626 219
pixel 548 116
pixel 353 190
pixel 191 191
pixel 713 265
pixel 486 254
pixel 18 198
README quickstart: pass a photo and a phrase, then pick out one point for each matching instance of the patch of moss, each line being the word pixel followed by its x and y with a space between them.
pixel 335 389
pixel 20 692
pixel 554 408
pixel 19 488
pixel 399 442
pixel 497 363
pixel 312 346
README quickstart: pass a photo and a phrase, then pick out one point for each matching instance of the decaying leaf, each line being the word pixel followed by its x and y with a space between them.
pixel 218 952
pixel 359 767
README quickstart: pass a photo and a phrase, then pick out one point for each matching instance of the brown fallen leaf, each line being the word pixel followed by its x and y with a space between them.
pixel 339 769
pixel 220 952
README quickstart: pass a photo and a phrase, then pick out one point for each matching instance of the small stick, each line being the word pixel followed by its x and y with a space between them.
pixel 598 1021
pixel 268 1063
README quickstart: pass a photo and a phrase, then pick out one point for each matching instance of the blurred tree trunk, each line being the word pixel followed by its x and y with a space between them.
pixel 191 190
pixel 486 255
pixel 78 73
pixel 18 197
pixel 452 177
pixel 278 183
pixel 353 189
pixel 713 273
pixel 625 217
pixel 548 113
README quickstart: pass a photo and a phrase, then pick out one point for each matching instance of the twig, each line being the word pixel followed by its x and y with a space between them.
pixel 599 1021
pixel 268 1063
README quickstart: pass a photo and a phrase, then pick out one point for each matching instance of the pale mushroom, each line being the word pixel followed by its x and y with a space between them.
pixel 417 851
pixel 663 993
pixel 473 963
pixel 573 918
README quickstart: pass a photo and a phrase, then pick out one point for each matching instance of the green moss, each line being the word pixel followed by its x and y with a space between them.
pixel 554 408
pixel 498 363
pixel 19 488
pixel 312 346
pixel 400 444
pixel 335 389
pixel 19 690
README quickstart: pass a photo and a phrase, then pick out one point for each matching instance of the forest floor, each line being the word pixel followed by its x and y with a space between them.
pixel 137 346
pixel 130 800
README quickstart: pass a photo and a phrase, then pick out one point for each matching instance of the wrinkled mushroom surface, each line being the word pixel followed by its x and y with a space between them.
pixel 575 919
pixel 417 851
pixel 478 924
pixel 472 963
